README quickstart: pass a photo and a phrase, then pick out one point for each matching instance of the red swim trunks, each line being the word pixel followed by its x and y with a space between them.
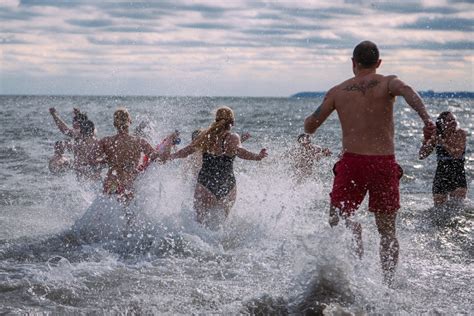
pixel 355 175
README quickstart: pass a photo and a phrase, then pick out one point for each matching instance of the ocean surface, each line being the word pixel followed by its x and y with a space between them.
pixel 63 249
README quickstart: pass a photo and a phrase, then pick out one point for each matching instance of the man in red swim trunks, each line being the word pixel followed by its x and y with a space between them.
pixel 364 104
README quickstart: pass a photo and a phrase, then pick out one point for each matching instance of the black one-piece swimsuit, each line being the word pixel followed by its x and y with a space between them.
pixel 217 174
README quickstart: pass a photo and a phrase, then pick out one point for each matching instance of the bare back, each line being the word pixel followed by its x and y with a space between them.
pixel 86 154
pixel 122 154
pixel 365 109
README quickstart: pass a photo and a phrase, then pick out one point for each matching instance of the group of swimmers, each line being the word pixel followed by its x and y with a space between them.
pixel 364 104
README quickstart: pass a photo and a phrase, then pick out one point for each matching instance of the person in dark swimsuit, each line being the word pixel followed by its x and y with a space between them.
pixel 216 185
pixel 450 144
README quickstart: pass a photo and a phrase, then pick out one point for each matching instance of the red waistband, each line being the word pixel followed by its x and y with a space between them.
pixel 360 156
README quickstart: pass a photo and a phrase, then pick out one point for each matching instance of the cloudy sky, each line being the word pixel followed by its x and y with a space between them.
pixel 228 48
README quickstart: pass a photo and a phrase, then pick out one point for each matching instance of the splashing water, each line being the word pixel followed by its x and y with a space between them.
pixel 65 248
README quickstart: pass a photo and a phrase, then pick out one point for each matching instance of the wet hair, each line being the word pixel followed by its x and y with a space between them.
pixel 87 128
pixel 59 147
pixel 195 134
pixel 79 117
pixel 366 54
pixel 441 122
pixel 223 122
pixel 122 119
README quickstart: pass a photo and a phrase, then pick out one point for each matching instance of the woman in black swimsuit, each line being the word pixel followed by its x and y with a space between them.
pixel 450 144
pixel 215 188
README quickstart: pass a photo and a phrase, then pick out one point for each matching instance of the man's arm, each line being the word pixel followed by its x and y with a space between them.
pixel 60 123
pixel 312 122
pixel 398 88
pixel 427 147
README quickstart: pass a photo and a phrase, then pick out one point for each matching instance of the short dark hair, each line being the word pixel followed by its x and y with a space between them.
pixel 87 128
pixel 80 117
pixel 366 54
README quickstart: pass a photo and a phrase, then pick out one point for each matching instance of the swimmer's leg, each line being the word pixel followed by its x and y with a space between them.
pixel 204 200
pixel 355 227
pixel 458 194
pixel 389 247
pixel 439 199
pixel 227 203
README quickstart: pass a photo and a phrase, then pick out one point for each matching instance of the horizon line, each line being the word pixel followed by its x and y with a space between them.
pixel 195 96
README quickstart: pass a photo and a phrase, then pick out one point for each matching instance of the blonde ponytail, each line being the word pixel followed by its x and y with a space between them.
pixel 206 141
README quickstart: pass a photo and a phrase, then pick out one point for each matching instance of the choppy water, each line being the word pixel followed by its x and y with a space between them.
pixel 275 254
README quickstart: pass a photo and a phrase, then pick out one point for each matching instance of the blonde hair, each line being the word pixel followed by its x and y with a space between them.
pixel 208 138
pixel 122 119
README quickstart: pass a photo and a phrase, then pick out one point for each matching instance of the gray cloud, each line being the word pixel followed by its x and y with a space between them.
pixel 53 3
pixel 217 26
pixel 429 45
pixel 7 13
pixel 130 29
pixel 93 23
pixel 11 40
pixel 410 7
pixel 443 23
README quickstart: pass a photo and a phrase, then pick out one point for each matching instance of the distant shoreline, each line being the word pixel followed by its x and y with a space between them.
pixel 299 95
pixel 424 94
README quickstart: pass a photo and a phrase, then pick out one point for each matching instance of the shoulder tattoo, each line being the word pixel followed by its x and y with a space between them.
pixel 362 87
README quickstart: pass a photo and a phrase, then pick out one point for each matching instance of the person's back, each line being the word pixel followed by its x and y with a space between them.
pixel 122 153
pixel 364 105
pixel 87 152
pixel 365 109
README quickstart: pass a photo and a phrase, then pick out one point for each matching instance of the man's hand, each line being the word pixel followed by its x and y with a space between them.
pixel 333 218
pixel 52 111
pixel 429 130
pixel 262 154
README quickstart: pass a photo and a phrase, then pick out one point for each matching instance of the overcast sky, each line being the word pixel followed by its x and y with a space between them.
pixel 228 48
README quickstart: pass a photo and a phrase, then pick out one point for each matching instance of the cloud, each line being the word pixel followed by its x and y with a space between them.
pixel 436 46
pixel 10 40
pixel 407 7
pixel 7 13
pixel 233 40
pixel 441 23
pixel 207 26
pixel 90 23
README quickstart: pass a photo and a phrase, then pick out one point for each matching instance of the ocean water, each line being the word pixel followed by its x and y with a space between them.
pixel 63 249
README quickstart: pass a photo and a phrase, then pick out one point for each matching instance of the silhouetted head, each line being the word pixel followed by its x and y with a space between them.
pixel 87 128
pixel 366 55
pixel 445 121
pixel 122 119
pixel 225 116
pixel 78 119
